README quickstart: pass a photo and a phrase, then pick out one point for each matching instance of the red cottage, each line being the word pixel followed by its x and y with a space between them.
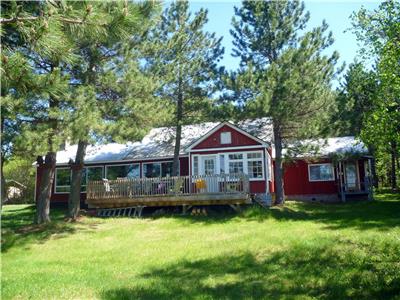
pixel 220 163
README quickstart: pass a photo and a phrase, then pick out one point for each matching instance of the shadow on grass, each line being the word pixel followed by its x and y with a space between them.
pixel 17 227
pixel 327 271
pixel 381 214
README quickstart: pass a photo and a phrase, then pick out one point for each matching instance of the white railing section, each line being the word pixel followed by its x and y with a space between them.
pixel 168 186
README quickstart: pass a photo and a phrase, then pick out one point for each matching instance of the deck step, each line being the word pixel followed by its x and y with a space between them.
pixel 264 200
pixel 133 211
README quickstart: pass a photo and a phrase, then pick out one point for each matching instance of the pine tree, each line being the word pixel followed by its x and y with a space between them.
pixel 112 53
pixel 185 58
pixel 287 75
pixel 354 100
pixel 37 35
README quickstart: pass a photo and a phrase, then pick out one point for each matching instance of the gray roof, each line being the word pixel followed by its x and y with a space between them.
pixel 334 145
pixel 159 142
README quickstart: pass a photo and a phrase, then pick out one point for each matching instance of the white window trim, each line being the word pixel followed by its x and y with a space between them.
pixel 319 180
pixel 106 167
pixel 86 178
pixel 268 162
pixel 226 162
pixel 159 162
pixel 55 183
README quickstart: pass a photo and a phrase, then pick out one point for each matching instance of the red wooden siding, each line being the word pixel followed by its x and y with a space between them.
pixel 296 180
pixel 258 187
pixel 237 139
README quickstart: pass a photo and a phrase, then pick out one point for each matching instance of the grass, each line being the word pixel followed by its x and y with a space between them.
pixel 302 251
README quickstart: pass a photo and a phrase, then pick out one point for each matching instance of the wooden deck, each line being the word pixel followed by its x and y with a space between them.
pixel 232 189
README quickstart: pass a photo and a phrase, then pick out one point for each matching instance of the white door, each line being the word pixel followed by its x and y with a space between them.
pixel 209 169
pixel 351 176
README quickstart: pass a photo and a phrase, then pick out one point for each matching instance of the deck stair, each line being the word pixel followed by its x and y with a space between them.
pixel 264 200
pixel 134 211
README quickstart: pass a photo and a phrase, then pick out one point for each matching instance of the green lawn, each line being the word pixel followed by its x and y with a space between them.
pixel 301 251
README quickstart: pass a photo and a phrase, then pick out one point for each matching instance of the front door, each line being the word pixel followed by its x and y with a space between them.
pixel 209 169
pixel 351 176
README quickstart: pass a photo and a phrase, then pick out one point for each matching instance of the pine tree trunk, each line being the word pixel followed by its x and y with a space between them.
pixel 3 183
pixel 175 164
pixel 375 180
pixel 3 179
pixel 393 168
pixel 74 198
pixel 178 133
pixel 279 192
pixel 46 184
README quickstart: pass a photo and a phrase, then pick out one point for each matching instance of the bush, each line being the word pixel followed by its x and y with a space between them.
pixel 22 171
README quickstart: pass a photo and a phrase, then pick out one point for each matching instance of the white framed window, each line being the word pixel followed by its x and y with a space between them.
pixel 321 172
pixel 196 165
pixel 121 171
pixel 158 169
pixel 94 173
pixel 251 163
pixel 221 164
pixel 226 138
pixel 255 165
pixel 63 180
pixel 235 163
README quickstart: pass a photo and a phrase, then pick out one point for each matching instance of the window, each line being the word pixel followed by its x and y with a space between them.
pixel 251 163
pixel 320 172
pixel 209 166
pixel 83 180
pixel 159 169
pixel 235 167
pixel 91 173
pixel 255 169
pixel 235 163
pixel 254 155
pixel 255 165
pixel 222 164
pixel 195 165
pixel 235 156
pixel 166 169
pixel 94 173
pixel 226 138
pixel 63 180
pixel 122 171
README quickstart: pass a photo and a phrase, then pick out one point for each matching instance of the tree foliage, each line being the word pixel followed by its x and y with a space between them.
pixel 354 100
pixel 185 58
pixel 379 30
pixel 284 75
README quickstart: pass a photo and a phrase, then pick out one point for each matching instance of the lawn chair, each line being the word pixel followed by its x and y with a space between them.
pixel 178 186
pixel 107 186
pixel 201 185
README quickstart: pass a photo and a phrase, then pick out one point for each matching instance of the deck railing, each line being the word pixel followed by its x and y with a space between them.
pixel 358 186
pixel 161 186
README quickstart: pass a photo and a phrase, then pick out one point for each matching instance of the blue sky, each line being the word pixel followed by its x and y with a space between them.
pixel 336 13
